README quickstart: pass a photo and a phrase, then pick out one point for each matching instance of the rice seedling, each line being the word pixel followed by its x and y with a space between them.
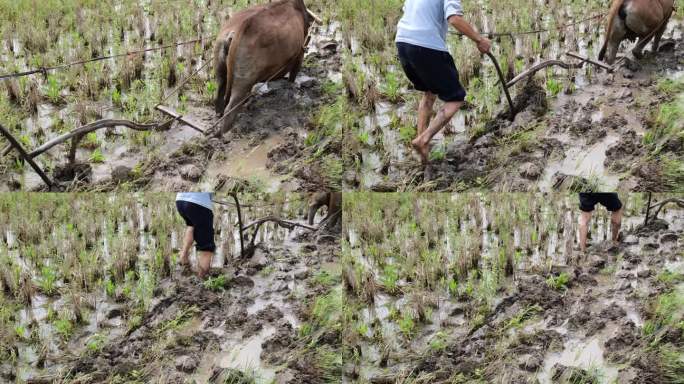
pixel 443 264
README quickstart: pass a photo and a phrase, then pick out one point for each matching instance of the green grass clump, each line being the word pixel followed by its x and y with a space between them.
pixel 523 315
pixel 64 327
pixel 47 279
pixel 97 156
pixel 389 278
pixel 559 282
pixel 407 325
pixel 96 342
pixel 438 341
pixel 218 283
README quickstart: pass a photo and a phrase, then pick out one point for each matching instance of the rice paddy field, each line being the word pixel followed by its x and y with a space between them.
pixel 578 128
pixel 491 288
pixel 90 292
pixel 279 131
pixel 348 119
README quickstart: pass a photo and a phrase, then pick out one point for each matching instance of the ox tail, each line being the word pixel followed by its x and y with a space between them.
pixel 614 12
pixel 220 53
pixel 232 56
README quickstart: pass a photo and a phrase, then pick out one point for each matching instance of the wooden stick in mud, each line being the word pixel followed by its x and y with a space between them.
pixel 504 85
pixel 283 223
pixel 279 221
pixel 590 61
pixel 26 156
pixel 314 16
pixel 93 127
pixel 659 206
pixel 536 68
pixel 181 118
pixel 239 211
pixel 648 209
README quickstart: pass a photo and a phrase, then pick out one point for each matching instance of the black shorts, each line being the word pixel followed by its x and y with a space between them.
pixel 431 71
pixel 609 200
pixel 202 221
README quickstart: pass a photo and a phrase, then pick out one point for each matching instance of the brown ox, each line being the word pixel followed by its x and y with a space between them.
pixel 332 200
pixel 632 19
pixel 256 45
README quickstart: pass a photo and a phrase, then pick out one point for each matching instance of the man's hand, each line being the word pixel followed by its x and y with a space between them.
pixel 484 45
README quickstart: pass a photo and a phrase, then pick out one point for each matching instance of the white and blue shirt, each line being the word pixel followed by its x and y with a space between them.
pixel 199 198
pixel 425 22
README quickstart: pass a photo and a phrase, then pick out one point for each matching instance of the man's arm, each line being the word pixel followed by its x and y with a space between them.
pixel 461 25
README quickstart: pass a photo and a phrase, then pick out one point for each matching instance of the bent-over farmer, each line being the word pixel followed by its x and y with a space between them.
pixel 197 209
pixel 587 203
pixel 421 43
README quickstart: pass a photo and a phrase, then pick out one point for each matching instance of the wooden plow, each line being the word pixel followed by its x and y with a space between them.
pixel 538 67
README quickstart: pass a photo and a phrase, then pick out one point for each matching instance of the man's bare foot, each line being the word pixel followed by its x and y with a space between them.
pixel 423 150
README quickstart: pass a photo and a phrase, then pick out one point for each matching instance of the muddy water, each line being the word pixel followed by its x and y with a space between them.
pixel 395 163
pixel 105 318
pixel 246 160
pixel 586 355
pixel 247 154
pixel 608 295
pixel 585 162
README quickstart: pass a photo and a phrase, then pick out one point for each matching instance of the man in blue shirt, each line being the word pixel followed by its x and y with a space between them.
pixel 421 42
pixel 197 209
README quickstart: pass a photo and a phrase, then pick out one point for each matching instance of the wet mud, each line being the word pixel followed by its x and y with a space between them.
pixel 246 330
pixel 591 331
pixel 265 148
pixel 590 134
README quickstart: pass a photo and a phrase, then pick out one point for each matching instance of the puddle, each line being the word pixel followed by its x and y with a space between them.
pixel 246 161
pixel 246 357
pixel 586 162
pixel 587 355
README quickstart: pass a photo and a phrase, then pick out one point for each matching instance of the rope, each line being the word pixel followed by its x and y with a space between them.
pixel 185 81
pixel 221 202
pixel 535 31
pixel 44 70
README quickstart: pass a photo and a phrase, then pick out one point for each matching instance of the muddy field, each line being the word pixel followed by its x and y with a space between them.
pixel 84 303
pixel 577 129
pixel 281 139
pixel 491 289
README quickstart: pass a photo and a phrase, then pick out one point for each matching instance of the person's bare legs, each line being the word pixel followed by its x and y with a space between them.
pixel 615 224
pixel 422 142
pixel 188 239
pixel 585 218
pixel 204 263
pixel 425 111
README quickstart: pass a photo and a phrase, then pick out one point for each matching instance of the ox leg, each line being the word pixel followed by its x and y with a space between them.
pixel 296 66
pixel 638 50
pixel 618 33
pixel 237 98
pixel 659 35
pixel 316 202
pixel 221 98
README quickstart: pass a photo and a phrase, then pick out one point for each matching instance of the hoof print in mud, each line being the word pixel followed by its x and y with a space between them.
pixel 572 375
pixel 186 364
pixel 191 172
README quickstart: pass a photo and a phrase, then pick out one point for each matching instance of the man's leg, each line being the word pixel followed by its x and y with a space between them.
pixel 422 142
pixel 585 218
pixel 615 223
pixel 425 111
pixel 188 239
pixel 204 263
